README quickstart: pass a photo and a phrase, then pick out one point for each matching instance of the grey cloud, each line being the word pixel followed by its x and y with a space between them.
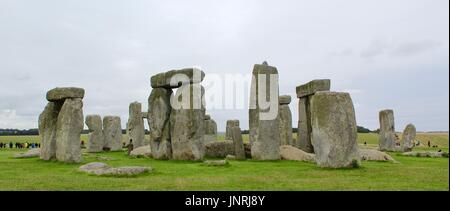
pixel 414 48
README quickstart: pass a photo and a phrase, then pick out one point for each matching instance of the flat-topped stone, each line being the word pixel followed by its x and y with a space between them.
pixel 61 93
pixel 312 87
pixel 188 75
pixel 284 99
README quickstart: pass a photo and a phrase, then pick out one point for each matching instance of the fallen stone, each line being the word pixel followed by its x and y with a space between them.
pixel 230 157
pixel 219 149
pixel 144 151
pixel 69 126
pixel 427 154
pixel 32 153
pixel 334 130
pixel 216 163
pixel 312 87
pixel 374 155
pixel 59 93
pixel 102 169
pixel 289 152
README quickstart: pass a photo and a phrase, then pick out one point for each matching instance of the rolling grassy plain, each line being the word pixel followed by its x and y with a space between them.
pixel 410 173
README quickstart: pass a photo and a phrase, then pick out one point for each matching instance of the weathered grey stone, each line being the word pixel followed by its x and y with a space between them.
pixel 304 126
pixel 387 131
pixel 69 127
pixel 47 130
pixel 135 125
pixel 263 122
pixel 289 152
pixel 144 151
pixel 374 155
pixel 159 109
pixel 427 154
pixel 102 169
pixel 312 87
pixel 163 80
pixel 408 138
pixel 284 100
pixel 187 125
pixel 62 93
pixel 216 163
pixel 229 126
pixel 210 129
pixel 207 117
pixel 239 150
pixel 96 140
pixel 32 153
pixel 219 149
pixel 144 115
pixel 112 133
pixel 334 130
pixel 285 125
pixel 230 157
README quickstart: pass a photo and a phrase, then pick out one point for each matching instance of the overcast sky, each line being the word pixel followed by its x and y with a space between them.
pixel 386 53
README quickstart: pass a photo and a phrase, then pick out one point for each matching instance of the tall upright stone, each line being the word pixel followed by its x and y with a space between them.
pixel 47 130
pixel 263 113
pixel 96 140
pixel 187 125
pixel 239 150
pixel 304 92
pixel 112 132
pixel 135 125
pixel 69 127
pixel 159 109
pixel 210 129
pixel 386 136
pixel 334 132
pixel 230 124
pixel 285 121
pixel 408 138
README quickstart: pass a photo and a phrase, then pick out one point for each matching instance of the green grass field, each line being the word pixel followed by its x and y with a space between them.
pixel 411 173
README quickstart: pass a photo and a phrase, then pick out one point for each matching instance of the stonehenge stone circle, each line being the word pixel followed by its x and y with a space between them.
pixel 219 149
pixel 96 139
pixel 304 93
pixel 163 80
pixel 187 125
pixel 229 126
pixel 386 136
pixel 135 125
pixel 334 134
pixel 47 130
pixel 263 119
pixel 408 138
pixel 112 132
pixel 210 129
pixel 61 124
pixel 159 110
pixel 69 126
pixel 239 150
pixel 285 121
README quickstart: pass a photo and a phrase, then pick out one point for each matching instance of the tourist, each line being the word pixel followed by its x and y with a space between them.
pixel 130 147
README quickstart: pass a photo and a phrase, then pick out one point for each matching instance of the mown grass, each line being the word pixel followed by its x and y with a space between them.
pixel 411 173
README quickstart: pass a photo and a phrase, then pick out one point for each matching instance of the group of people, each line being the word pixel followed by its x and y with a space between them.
pixel 18 145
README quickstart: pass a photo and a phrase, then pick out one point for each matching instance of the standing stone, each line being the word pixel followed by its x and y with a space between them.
pixel 96 139
pixel 263 119
pixel 387 131
pixel 69 127
pixel 239 150
pixel 47 130
pixel 230 125
pixel 112 132
pixel 159 109
pixel 408 138
pixel 334 132
pixel 210 129
pixel 285 121
pixel 187 125
pixel 135 125
pixel 304 92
